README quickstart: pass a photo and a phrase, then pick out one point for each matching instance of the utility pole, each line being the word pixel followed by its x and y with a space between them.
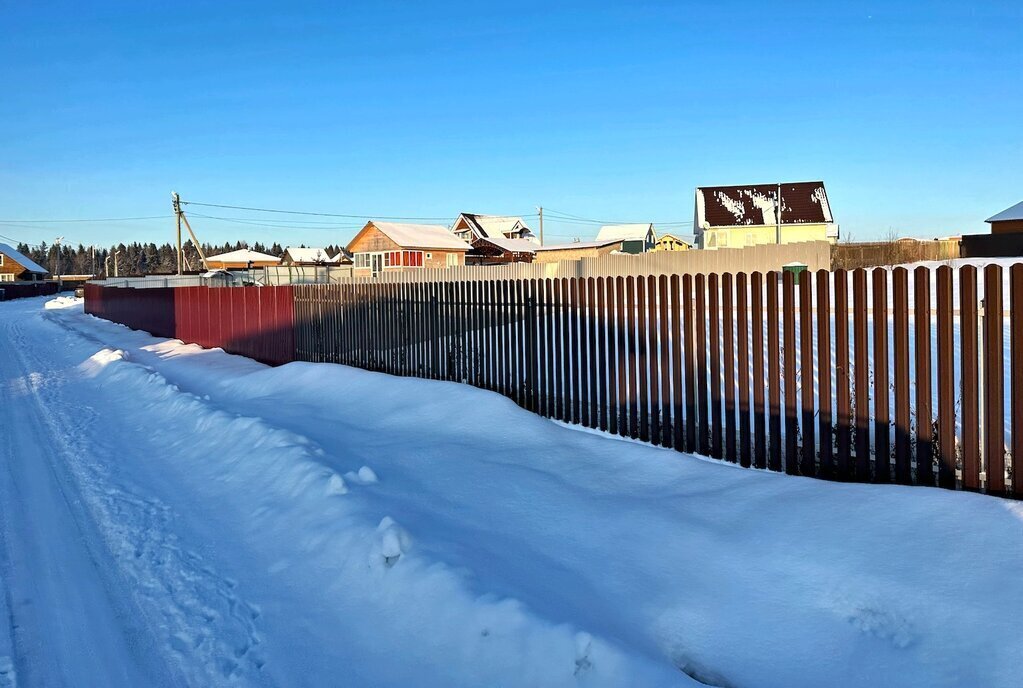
pixel 195 241
pixel 56 245
pixel 777 216
pixel 541 224
pixel 176 204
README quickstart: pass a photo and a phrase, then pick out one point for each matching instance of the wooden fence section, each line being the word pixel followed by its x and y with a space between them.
pixel 867 376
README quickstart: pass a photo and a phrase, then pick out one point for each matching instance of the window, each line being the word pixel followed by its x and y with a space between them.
pixel 6 277
pixel 451 259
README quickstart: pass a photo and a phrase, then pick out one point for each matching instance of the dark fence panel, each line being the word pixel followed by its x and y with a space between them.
pixel 10 291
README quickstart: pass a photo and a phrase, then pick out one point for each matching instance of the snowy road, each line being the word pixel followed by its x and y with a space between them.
pixel 175 516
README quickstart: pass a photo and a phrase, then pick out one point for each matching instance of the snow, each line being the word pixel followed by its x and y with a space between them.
pixel 246 255
pixel 421 236
pixel 626 232
pixel 310 255
pixel 178 516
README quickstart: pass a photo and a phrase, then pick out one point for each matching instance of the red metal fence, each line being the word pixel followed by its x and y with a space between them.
pixel 253 322
pixel 880 376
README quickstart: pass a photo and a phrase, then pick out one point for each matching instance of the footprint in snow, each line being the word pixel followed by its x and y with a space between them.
pixel 583 645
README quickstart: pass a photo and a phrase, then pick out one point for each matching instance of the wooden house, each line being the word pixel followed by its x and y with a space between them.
pixel 1009 221
pixel 17 267
pixel 391 246
pixel 737 216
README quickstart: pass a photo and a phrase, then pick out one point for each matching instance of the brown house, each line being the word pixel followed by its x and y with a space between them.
pixel 472 226
pixel 1008 221
pixel 17 267
pixel 390 246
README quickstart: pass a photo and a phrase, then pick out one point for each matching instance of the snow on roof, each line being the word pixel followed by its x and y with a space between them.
pixel 421 236
pixel 1013 213
pixel 513 245
pixel 21 259
pixel 579 244
pixel 755 204
pixel 495 226
pixel 243 255
pixel 629 232
pixel 310 255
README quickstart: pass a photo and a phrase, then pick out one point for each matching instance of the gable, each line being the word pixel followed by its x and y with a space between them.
pixel 370 238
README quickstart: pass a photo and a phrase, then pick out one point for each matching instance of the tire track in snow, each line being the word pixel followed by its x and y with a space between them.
pixel 188 607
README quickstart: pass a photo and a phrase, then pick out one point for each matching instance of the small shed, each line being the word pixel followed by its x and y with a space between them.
pixel 1009 221
pixel 17 267
pixel 635 238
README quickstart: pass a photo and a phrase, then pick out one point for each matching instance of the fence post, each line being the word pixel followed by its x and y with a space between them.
pixel 532 342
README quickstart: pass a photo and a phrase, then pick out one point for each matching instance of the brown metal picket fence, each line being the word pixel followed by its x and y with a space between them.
pixel 883 376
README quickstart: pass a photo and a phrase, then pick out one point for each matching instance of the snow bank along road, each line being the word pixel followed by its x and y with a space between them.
pixel 175 516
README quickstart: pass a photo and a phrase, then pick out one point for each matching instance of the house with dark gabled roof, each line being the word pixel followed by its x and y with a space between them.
pixel 471 226
pixel 783 213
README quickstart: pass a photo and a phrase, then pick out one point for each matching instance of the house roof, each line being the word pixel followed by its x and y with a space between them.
pixel 513 245
pixel 629 232
pixel 754 204
pixel 243 255
pixel 310 255
pixel 494 226
pixel 22 260
pixel 579 244
pixel 1013 213
pixel 676 237
pixel 421 236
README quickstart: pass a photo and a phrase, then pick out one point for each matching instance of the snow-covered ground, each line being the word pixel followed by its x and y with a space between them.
pixel 176 516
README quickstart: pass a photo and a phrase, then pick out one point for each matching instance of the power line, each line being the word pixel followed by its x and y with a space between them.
pixel 566 217
pixel 99 219
pixel 302 212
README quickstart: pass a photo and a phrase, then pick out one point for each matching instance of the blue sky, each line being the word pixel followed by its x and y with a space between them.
pixel 910 114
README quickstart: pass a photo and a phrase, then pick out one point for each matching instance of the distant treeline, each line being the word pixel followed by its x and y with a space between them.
pixel 134 258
